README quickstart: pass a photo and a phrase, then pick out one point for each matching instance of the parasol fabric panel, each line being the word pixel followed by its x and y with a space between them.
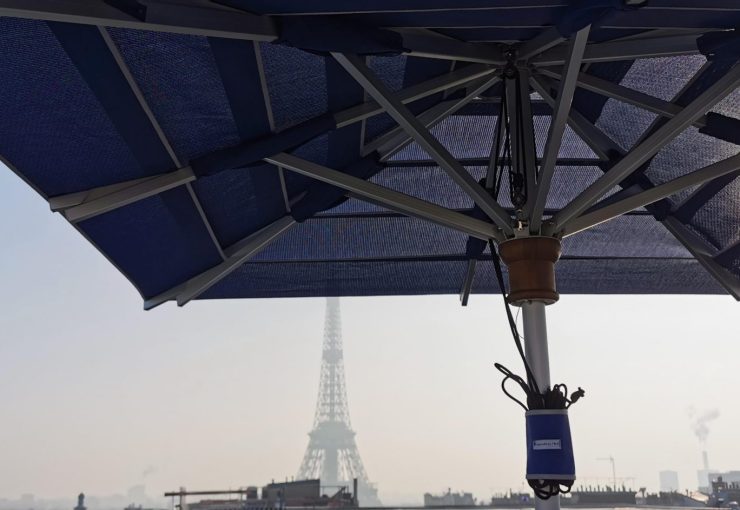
pixel 190 116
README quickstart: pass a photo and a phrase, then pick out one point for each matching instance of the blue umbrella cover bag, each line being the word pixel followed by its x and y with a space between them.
pixel 549 445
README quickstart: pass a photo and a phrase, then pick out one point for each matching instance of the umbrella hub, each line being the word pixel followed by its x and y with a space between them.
pixel 531 263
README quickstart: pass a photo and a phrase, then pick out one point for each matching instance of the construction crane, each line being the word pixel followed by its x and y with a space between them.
pixel 610 458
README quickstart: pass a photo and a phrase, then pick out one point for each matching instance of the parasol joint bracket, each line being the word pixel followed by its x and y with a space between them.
pixel 521 228
pixel 510 68
pixel 549 229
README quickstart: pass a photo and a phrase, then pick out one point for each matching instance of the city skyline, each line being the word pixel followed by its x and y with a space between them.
pixel 94 390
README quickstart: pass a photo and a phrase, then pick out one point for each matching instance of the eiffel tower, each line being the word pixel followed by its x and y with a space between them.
pixel 332 453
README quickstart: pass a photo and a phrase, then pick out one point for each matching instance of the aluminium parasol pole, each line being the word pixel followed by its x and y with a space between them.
pixel 535 347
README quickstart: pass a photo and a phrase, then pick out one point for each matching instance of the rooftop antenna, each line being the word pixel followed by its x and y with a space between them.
pixel 610 458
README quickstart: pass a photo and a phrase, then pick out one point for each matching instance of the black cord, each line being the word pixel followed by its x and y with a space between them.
pixel 501 151
pixel 533 388
pixel 510 375
pixel 517 178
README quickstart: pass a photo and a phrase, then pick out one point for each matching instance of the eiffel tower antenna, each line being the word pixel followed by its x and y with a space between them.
pixel 332 453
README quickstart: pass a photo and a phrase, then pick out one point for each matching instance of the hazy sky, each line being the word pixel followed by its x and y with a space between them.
pixel 98 395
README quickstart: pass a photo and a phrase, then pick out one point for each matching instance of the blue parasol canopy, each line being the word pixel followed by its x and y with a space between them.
pixel 254 148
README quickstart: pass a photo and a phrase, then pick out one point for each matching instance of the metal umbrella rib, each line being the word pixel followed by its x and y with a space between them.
pixel 82 205
pixel 650 146
pixel 413 126
pixel 649 196
pixel 557 126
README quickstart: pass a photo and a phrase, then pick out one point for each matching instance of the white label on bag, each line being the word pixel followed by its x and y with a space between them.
pixel 546 444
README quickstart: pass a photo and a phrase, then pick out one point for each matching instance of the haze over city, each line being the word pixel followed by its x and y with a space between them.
pixel 98 395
